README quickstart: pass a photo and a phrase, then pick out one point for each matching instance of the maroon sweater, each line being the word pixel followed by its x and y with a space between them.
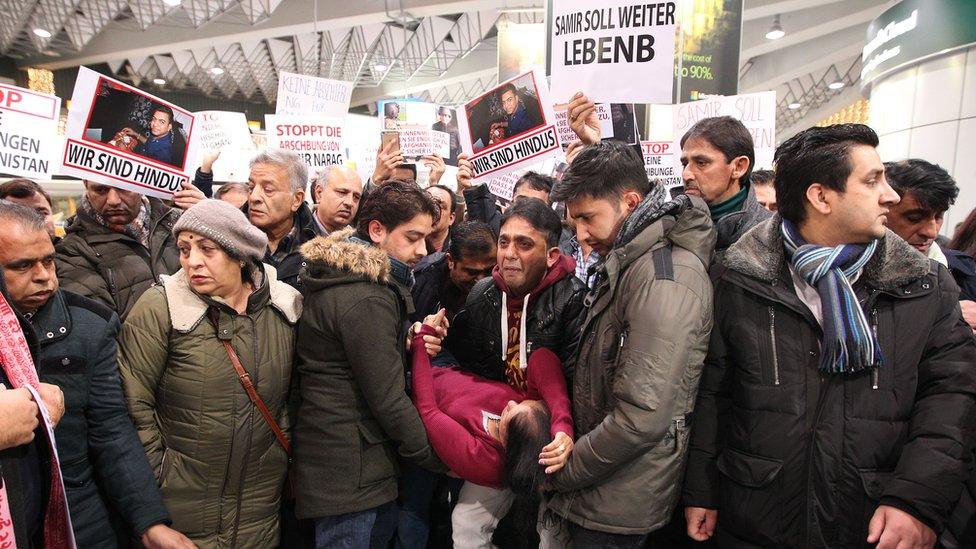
pixel 455 406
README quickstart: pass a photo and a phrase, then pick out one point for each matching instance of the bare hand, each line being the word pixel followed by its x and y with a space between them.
pixel 53 400
pixel 701 522
pixel 573 151
pixel 209 157
pixel 432 343
pixel 555 454
pixel 387 159
pixel 188 196
pixel 160 536
pixel 583 119
pixel 893 528
pixel 132 133
pixel 18 418
pixel 969 313
pixel 436 165
pixel 465 173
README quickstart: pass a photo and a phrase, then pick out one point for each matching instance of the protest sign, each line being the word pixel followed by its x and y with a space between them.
pixel 659 163
pixel 317 139
pixel 228 133
pixel 121 136
pixel 403 115
pixel 619 52
pixel 510 126
pixel 756 111
pixel 566 134
pixel 305 95
pixel 28 126
pixel 419 143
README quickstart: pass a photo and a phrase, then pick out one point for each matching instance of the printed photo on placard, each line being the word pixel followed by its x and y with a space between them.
pixel 131 121
pixel 447 123
pixel 505 112
pixel 121 136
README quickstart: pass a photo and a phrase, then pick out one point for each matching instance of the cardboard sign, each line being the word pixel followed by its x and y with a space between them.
pixel 510 126
pixel 228 133
pixel 318 140
pixel 615 51
pixel 756 111
pixel 659 163
pixel 28 126
pixel 121 136
pixel 305 95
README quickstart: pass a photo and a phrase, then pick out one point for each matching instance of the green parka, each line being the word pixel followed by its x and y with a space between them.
pixel 219 465
pixel 640 359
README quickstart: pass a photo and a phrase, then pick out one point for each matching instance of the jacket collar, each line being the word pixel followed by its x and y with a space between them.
pixel 159 214
pixel 760 254
pixel 339 252
pixel 187 309
pixel 52 322
pixel 731 227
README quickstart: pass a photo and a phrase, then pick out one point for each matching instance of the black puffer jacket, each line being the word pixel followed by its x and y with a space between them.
pixel 555 318
pixel 792 458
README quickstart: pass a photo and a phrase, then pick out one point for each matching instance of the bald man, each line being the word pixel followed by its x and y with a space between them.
pixel 337 192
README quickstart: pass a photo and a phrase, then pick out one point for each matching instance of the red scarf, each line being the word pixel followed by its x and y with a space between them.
pixel 15 358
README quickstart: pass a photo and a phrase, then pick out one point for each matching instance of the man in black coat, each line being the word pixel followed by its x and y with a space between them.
pixel 444 279
pixel 836 403
pixel 103 465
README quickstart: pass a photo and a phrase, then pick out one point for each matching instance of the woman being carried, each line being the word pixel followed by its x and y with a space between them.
pixel 490 434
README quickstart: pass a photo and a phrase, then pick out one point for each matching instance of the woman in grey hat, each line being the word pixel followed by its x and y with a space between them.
pixel 206 362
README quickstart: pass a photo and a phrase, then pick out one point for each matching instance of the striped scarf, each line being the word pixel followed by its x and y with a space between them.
pixel 849 344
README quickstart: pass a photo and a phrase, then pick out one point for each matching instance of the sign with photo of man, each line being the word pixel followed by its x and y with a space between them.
pixel 121 136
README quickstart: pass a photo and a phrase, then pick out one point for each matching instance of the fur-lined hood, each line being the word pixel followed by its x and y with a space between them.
pixel 760 254
pixel 334 259
pixel 187 309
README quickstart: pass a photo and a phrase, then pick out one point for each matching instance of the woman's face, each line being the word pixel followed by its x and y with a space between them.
pixel 512 410
pixel 209 270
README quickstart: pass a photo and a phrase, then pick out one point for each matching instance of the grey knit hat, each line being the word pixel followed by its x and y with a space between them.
pixel 227 226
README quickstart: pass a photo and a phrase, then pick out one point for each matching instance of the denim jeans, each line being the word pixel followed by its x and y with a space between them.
pixel 372 528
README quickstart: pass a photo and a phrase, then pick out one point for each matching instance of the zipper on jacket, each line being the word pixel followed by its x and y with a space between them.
pixel 772 342
pixel 620 347
pixel 874 328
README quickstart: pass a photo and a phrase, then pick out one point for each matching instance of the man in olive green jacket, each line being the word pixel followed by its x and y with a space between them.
pixel 355 415
pixel 642 348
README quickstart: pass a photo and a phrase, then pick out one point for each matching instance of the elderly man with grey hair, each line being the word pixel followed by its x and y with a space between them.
pixel 337 191
pixel 276 205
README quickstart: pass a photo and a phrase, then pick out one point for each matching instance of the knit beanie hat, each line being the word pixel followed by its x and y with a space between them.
pixel 227 226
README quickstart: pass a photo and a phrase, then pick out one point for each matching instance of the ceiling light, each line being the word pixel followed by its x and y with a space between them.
pixel 793 106
pixel 836 85
pixel 172 3
pixel 216 71
pixel 159 81
pixel 776 31
pixel 380 67
pixel 43 33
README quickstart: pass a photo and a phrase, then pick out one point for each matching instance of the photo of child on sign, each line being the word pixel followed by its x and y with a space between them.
pixel 505 112
pixel 132 122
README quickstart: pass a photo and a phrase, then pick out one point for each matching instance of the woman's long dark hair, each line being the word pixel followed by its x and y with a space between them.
pixel 965 238
pixel 528 433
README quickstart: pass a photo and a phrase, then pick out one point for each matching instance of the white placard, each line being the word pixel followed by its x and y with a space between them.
pixel 111 138
pixel 28 128
pixel 756 111
pixel 420 143
pixel 615 51
pixel 307 95
pixel 566 133
pixel 228 133
pixel 659 163
pixel 317 139
pixel 510 126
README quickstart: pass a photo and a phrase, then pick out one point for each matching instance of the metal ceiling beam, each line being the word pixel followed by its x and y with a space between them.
pixel 779 8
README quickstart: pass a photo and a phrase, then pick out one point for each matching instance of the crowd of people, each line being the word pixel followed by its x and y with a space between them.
pixel 769 359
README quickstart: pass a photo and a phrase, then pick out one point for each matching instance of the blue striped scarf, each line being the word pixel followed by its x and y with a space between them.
pixel 849 344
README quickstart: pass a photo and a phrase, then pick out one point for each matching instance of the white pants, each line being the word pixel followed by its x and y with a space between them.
pixel 476 515
pixel 478 511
